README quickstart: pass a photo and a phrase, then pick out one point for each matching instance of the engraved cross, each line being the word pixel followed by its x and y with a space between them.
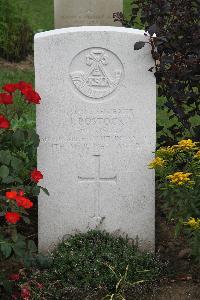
pixel 97 180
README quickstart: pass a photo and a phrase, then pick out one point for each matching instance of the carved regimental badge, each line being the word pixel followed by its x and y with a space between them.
pixel 96 72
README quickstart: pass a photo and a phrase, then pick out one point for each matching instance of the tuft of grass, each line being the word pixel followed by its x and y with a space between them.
pixel 11 75
pixel 40 13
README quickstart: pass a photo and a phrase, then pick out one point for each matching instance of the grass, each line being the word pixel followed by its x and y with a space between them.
pixel 12 75
pixel 39 13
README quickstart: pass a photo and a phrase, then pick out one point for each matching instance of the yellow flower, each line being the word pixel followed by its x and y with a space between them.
pixel 186 144
pixel 157 162
pixel 193 223
pixel 179 178
pixel 166 151
pixel 197 155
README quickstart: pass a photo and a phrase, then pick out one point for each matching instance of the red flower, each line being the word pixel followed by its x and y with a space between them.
pixel 14 277
pixel 36 175
pixel 4 123
pixel 5 99
pixel 11 195
pixel 12 217
pixel 10 87
pixel 21 193
pixel 32 96
pixel 25 293
pixel 23 202
pixel 20 199
pixel 23 86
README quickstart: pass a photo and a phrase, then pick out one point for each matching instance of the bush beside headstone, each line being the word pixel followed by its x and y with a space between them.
pixel 16 35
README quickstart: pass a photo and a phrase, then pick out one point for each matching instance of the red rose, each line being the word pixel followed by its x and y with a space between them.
pixel 32 96
pixel 10 87
pixel 21 193
pixel 23 202
pixel 22 86
pixel 12 217
pixel 6 99
pixel 20 199
pixel 25 293
pixel 36 175
pixel 14 277
pixel 4 123
pixel 11 195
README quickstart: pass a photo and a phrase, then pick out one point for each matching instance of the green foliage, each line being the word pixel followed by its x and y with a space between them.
pixel 16 35
pixel 15 244
pixel 18 145
pixel 193 236
pixel 178 183
pixel 18 157
pixel 122 285
pixel 86 257
pixel 96 261
pixel 173 30
pixel 39 13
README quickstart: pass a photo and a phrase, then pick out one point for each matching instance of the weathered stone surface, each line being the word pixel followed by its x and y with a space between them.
pixel 97 124
pixel 69 13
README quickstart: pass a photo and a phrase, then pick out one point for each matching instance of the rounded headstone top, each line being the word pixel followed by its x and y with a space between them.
pixel 88 29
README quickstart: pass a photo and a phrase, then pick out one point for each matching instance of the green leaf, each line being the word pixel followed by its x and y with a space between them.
pixel 18 138
pixel 35 191
pixel 177 229
pixel 8 286
pixel 16 163
pixel 4 171
pixel 34 137
pixel 139 45
pixel 26 220
pixel 32 246
pixel 19 247
pixel 8 180
pixel 44 190
pixel 6 249
pixel 5 157
pixel 14 236
pixel 11 179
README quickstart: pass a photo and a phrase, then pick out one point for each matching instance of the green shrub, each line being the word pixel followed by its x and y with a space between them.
pixel 93 262
pixel 16 35
pixel 173 31
pixel 178 181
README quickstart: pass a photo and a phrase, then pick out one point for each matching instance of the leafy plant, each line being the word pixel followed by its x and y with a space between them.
pixel 174 36
pixel 122 284
pixel 192 232
pixel 16 35
pixel 18 175
pixel 93 263
pixel 178 181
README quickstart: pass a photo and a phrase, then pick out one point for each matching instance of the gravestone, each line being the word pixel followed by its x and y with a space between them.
pixel 97 126
pixel 68 13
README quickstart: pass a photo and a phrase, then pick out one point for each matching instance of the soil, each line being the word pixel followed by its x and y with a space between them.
pixel 23 65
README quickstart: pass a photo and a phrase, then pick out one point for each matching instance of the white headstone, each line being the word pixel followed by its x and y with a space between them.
pixel 97 125
pixel 69 13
